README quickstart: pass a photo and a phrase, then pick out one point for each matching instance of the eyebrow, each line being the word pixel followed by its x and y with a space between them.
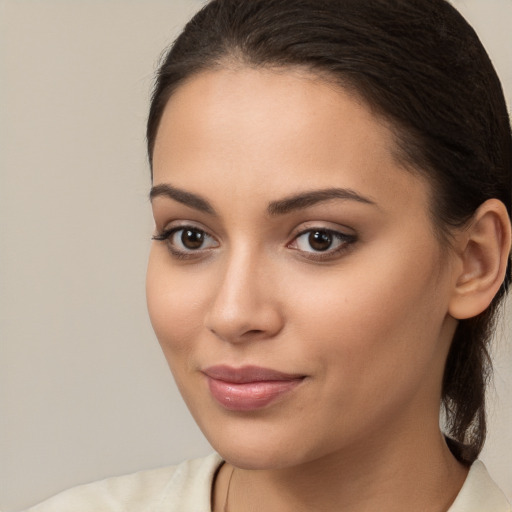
pixel 274 208
pixel 307 199
pixel 183 197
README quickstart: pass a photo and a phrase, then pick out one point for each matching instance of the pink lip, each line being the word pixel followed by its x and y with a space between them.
pixel 250 387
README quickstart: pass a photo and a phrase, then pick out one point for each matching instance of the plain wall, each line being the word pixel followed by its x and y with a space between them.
pixel 84 390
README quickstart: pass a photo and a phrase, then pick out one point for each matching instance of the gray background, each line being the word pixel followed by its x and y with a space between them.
pixel 84 390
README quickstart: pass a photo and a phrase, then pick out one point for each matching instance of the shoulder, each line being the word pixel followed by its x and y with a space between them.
pixel 480 493
pixel 174 488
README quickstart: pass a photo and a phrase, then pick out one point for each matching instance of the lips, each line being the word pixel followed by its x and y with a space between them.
pixel 250 387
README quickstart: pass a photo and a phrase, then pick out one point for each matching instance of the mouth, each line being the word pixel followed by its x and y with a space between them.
pixel 250 387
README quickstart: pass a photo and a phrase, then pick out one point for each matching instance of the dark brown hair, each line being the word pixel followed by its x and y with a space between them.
pixel 418 64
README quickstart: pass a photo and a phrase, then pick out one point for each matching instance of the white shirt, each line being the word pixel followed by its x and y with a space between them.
pixel 187 488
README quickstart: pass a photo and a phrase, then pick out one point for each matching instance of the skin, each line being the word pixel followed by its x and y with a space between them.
pixel 367 327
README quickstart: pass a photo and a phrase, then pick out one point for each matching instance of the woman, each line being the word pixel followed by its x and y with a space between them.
pixel 332 200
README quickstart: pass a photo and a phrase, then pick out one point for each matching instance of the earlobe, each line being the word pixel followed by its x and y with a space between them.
pixel 484 250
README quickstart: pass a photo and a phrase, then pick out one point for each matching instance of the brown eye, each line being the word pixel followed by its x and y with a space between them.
pixel 187 241
pixel 320 240
pixel 192 238
pixel 322 244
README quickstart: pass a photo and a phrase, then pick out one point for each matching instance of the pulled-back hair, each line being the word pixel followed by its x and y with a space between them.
pixel 419 65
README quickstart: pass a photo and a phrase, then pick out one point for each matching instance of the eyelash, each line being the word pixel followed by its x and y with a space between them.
pixel 345 242
pixel 166 236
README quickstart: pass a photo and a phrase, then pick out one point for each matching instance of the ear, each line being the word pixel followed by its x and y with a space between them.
pixel 483 249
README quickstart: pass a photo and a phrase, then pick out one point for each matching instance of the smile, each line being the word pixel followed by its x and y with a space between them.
pixel 250 387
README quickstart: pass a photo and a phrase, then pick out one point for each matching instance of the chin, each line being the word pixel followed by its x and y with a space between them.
pixel 259 447
pixel 257 458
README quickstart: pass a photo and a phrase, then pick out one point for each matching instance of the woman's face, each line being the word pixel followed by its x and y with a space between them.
pixel 296 285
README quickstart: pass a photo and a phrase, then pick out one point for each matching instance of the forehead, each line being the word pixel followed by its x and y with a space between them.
pixel 243 127
pixel 264 102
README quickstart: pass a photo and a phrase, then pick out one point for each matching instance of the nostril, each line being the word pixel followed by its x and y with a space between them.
pixel 253 332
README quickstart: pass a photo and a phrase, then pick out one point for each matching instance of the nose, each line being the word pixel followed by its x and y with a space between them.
pixel 245 306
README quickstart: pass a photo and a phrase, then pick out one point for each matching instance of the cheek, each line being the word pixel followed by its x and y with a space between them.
pixel 375 341
pixel 377 315
pixel 174 305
